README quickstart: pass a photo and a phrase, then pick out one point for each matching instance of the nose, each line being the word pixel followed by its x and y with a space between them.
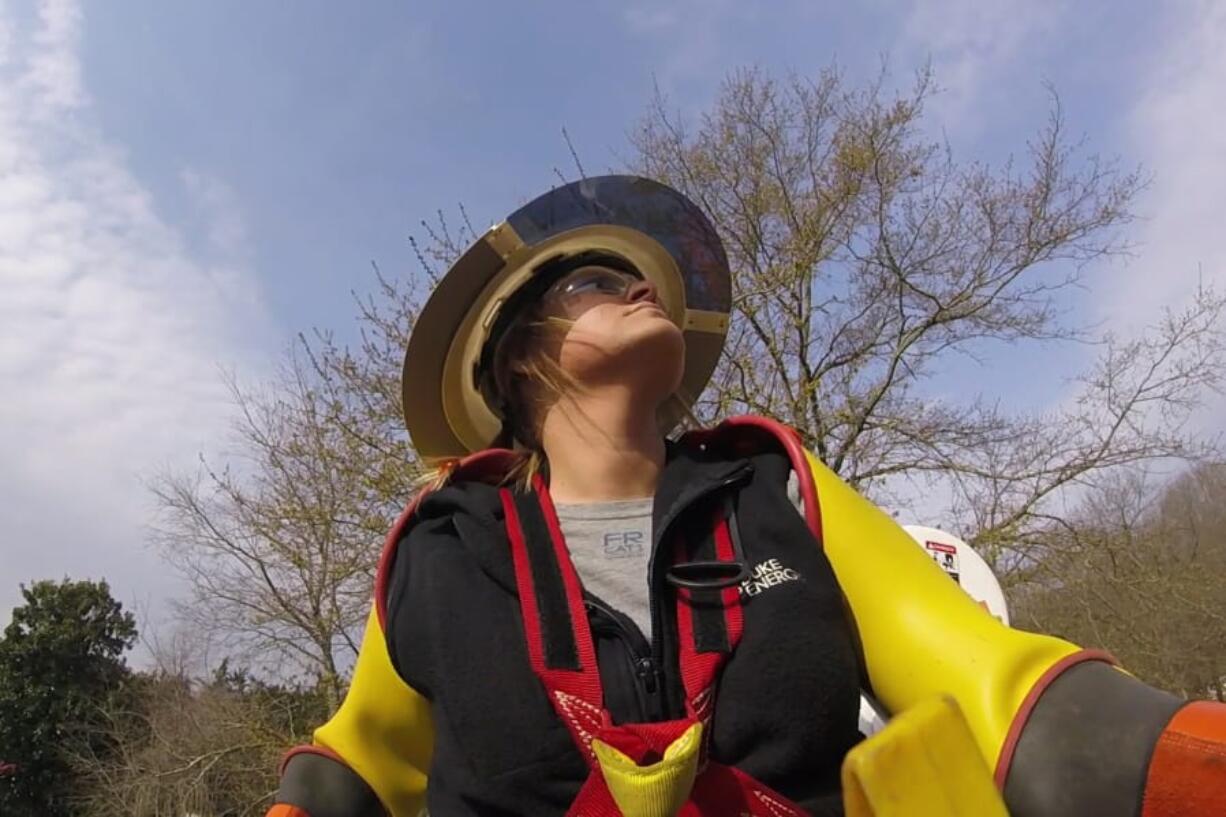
pixel 642 291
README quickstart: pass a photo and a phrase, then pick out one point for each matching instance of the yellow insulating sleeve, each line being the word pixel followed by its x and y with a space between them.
pixel 383 729
pixel 925 761
pixel 922 636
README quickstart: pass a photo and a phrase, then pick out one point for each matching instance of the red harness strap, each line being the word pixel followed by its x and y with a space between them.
pixel 563 656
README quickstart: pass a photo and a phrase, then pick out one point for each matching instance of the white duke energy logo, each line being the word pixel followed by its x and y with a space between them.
pixel 767 574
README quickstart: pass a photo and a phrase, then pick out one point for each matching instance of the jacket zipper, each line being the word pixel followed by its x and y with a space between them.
pixel 646 671
pixel 657 570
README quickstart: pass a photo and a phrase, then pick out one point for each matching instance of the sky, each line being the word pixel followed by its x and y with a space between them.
pixel 185 186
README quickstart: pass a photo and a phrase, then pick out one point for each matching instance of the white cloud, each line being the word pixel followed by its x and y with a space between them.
pixel 973 44
pixel 692 37
pixel 220 219
pixel 1176 130
pixel 112 332
pixel 52 77
pixel 649 19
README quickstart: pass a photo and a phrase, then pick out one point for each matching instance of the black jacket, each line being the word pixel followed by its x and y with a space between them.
pixel 787 703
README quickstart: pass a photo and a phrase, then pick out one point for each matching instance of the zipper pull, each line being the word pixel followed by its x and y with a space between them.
pixel 647 672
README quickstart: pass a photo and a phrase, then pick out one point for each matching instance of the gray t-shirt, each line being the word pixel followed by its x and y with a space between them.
pixel 610 546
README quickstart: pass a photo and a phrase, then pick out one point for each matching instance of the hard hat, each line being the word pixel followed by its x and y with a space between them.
pixel 631 221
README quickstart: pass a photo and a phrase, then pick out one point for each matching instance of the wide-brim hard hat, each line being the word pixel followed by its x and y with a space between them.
pixel 640 222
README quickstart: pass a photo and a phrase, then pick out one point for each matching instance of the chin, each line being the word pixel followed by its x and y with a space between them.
pixel 660 361
pixel 651 357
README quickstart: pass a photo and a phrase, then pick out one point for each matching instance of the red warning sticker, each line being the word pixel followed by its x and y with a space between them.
pixel 946 556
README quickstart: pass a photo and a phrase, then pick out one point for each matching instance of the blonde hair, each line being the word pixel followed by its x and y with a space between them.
pixel 526 379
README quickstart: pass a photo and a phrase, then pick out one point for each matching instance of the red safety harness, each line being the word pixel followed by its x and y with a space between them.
pixel 564 658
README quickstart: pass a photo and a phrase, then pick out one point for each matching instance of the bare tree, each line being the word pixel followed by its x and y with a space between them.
pixel 1132 410
pixel 865 257
pixel 280 546
pixel 193 748
pixel 1142 572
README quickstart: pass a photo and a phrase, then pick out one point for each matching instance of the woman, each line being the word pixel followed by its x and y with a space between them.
pixel 585 618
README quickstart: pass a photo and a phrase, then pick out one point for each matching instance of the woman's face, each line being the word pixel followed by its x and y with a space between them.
pixel 619 333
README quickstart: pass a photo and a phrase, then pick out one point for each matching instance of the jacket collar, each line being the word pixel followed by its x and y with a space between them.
pixel 470 509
